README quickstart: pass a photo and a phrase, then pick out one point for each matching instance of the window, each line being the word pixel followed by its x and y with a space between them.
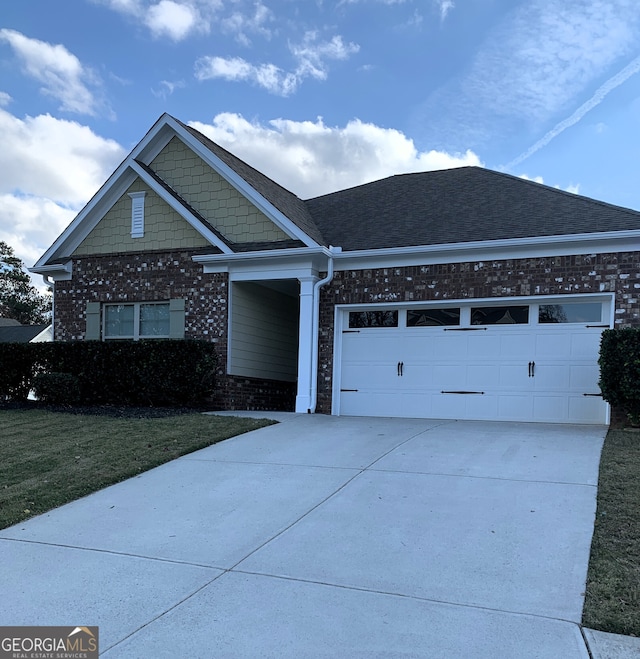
pixel 373 319
pixel 500 315
pixel 432 317
pixel 572 312
pixel 140 320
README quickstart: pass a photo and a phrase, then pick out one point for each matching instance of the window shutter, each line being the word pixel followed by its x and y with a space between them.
pixel 137 214
pixel 176 318
pixel 92 332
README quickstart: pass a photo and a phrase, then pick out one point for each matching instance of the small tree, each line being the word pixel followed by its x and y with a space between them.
pixel 19 299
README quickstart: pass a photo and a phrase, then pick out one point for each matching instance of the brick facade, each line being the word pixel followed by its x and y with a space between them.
pixel 153 276
pixel 596 273
pixel 164 275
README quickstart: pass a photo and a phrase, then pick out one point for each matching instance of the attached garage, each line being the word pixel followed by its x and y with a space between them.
pixel 524 360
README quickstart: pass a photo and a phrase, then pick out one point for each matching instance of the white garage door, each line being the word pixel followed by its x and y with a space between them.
pixel 525 362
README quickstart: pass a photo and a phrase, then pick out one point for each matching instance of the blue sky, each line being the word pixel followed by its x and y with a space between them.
pixel 318 94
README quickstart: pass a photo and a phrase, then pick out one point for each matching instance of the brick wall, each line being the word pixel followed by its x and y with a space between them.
pixel 147 277
pixel 602 273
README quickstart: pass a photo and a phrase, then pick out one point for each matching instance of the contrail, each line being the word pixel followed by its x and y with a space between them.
pixel 596 99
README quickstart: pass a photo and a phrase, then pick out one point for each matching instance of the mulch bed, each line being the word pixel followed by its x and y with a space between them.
pixel 115 411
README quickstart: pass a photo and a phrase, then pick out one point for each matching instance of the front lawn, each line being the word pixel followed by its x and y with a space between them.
pixel 50 458
pixel 613 586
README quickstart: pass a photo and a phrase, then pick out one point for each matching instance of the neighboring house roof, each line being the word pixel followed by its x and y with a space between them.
pixel 20 333
pixel 458 205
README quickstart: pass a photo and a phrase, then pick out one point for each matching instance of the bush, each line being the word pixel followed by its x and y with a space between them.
pixel 620 370
pixel 17 368
pixel 153 372
pixel 57 388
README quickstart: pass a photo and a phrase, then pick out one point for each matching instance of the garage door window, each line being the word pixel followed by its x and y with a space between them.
pixel 500 315
pixel 359 319
pixel 433 317
pixel 573 312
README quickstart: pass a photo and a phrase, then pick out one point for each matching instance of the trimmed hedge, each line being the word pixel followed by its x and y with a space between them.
pixel 620 370
pixel 152 372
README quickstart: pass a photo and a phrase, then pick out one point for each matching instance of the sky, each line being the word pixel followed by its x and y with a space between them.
pixel 320 95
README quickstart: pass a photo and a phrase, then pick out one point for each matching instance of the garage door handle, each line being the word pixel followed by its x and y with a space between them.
pixel 532 369
pixel 400 369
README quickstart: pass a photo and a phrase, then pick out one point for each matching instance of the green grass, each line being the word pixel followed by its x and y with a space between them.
pixel 612 601
pixel 48 459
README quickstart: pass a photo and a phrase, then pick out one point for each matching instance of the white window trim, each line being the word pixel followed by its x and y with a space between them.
pixel 137 214
pixel 136 322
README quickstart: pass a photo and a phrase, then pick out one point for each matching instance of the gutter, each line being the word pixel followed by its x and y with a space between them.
pixel 313 398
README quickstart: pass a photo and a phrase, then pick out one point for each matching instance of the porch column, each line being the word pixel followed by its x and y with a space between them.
pixel 305 337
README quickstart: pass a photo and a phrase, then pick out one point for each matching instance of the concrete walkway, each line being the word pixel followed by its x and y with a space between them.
pixel 327 537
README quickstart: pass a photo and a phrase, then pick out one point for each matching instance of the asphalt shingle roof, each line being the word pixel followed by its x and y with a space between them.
pixel 455 206
pixel 20 333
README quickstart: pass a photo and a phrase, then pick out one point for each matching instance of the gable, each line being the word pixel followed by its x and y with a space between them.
pixel 164 228
pixel 228 211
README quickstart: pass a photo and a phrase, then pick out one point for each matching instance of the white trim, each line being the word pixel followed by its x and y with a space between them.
pixel 491 250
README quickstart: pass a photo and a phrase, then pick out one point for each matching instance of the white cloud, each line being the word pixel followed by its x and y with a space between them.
pixel 310 55
pixel 172 19
pixel 445 6
pixel 49 168
pixel 601 93
pixel 310 158
pixel 573 189
pixel 167 87
pixel 175 19
pixel 242 25
pixel 537 64
pixel 5 99
pixel 61 73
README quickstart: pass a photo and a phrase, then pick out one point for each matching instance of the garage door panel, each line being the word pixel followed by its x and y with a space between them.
pixel 482 346
pixel 552 344
pixel 551 377
pixel 586 409
pixel 453 376
pixel 449 345
pixel 585 345
pixel 483 376
pixel 364 347
pixel 583 378
pixel 363 403
pixel 362 374
pixel 550 408
pixel 515 407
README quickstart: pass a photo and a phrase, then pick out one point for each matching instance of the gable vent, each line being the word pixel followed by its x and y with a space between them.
pixel 137 214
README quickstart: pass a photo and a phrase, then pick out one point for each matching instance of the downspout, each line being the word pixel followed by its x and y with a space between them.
pixel 313 399
pixel 51 284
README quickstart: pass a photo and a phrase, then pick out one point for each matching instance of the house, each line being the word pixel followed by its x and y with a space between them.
pixel 465 293
pixel 11 331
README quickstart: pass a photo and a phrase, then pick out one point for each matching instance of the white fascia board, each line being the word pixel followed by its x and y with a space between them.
pixel 268 263
pixel 86 220
pixel 113 188
pixel 234 179
pixel 491 250
pixel 169 199
pixel 58 271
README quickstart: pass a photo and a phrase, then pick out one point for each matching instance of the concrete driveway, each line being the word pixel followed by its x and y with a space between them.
pixel 327 537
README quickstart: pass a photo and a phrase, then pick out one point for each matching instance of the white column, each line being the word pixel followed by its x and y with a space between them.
pixel 305 337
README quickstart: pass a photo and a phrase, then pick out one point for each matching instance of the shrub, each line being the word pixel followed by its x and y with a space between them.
pixel 620 370
pixel 16 370
pixel 153 372
pixel 57 388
